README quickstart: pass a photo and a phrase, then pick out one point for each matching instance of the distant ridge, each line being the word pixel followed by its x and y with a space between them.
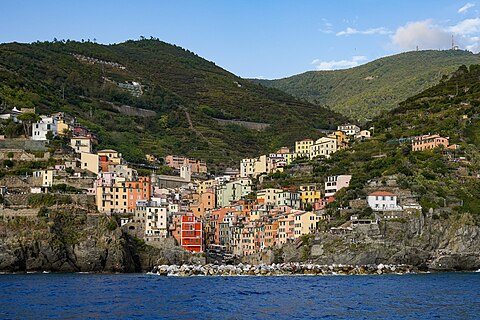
pixel 363 92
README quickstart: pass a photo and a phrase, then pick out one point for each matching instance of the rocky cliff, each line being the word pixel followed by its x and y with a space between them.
pixel 432 244
pixel 66 241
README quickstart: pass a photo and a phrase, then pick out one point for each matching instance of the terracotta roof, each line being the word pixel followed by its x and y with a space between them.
pixel 381 193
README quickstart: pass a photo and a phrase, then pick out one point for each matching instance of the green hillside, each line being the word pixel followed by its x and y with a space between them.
pixel 365 91
pixel 445 180
pixel 186 93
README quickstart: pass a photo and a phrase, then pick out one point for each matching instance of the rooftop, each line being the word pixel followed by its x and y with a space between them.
pixel 381 193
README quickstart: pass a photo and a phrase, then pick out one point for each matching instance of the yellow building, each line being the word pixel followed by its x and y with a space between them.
pixel 112 198
pixel 150 158
pixel 309 194
pixel 305 223
pixel 62 127
pixel 341 137
pixel 90 162
pixel 290 157
pixel 303 146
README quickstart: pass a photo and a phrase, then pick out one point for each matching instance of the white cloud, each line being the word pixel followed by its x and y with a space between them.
pixel 465 27
pixel 423 34
pixel 327 26
pixel 428 35
pixel 466 7
pixel 350 31
pixel 338 64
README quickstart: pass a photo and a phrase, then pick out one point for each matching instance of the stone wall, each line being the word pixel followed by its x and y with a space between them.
pixel 21 144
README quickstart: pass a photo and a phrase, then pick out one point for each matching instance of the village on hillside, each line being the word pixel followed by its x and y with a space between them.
pixel 224 214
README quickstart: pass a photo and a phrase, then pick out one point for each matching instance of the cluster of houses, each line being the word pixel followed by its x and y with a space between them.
pixel 226 210
pixel 307 148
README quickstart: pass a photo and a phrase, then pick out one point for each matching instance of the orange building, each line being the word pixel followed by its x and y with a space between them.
pixel 138 190
pixel 271 234
pixel 202 203
pixel 192 234
pixel 108 157
pixel 216 218
pixel 427 142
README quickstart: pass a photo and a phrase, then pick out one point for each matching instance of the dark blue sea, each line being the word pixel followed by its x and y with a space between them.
pixel 141 296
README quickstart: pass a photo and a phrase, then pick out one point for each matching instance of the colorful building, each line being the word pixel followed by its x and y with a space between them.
pixel 305 222
pixel 427 142
pixel 195 165
pixel 140 189
pixel 192 234
pixel 309 194
pixel 202 203
pixel 302 147
pixel 108 157
pixel 335 183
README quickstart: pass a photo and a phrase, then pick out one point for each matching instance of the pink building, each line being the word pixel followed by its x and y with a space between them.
pixel 427 142
pixel 286 228
pixel 335 183
pixel 196 166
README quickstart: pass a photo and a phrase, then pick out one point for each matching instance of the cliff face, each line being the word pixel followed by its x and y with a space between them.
pixel 426 243
pixel 77 242
pixel 66 242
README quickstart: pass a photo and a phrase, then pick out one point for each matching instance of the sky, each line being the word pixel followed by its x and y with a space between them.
pixel 256 38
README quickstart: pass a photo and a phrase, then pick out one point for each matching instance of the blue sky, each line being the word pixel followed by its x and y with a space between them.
pixel 256 38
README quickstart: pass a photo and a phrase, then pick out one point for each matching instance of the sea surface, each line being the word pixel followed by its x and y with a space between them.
pixel 143 296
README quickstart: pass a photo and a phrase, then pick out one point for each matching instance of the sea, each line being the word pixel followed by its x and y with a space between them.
pixel 148 296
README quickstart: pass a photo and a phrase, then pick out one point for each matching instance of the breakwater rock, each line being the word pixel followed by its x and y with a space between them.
pixel 278 269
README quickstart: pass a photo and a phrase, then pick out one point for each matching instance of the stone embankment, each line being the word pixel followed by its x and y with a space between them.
pixel 278 269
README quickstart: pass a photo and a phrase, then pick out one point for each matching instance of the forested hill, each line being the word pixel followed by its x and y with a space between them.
pixel 186 93
pixel 445 180
pixel 365 91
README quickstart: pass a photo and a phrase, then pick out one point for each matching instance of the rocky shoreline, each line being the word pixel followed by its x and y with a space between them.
pixel 281 269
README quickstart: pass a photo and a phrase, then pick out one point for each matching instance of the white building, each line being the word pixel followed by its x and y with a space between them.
pixel 81 144
pixel 383 201
pixel 323 147
pixel 349 129
pixel 232 191
pixel 269 195
pixel 42 127
pixel 363 135
pixel 155 216
pixel 334 183
pixel 253 167
pixel 46 176
pixel 289 198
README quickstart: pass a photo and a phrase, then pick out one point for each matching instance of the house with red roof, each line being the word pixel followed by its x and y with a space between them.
pixel 383 201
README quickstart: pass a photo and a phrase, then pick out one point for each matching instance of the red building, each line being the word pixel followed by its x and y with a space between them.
pixel 192 234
